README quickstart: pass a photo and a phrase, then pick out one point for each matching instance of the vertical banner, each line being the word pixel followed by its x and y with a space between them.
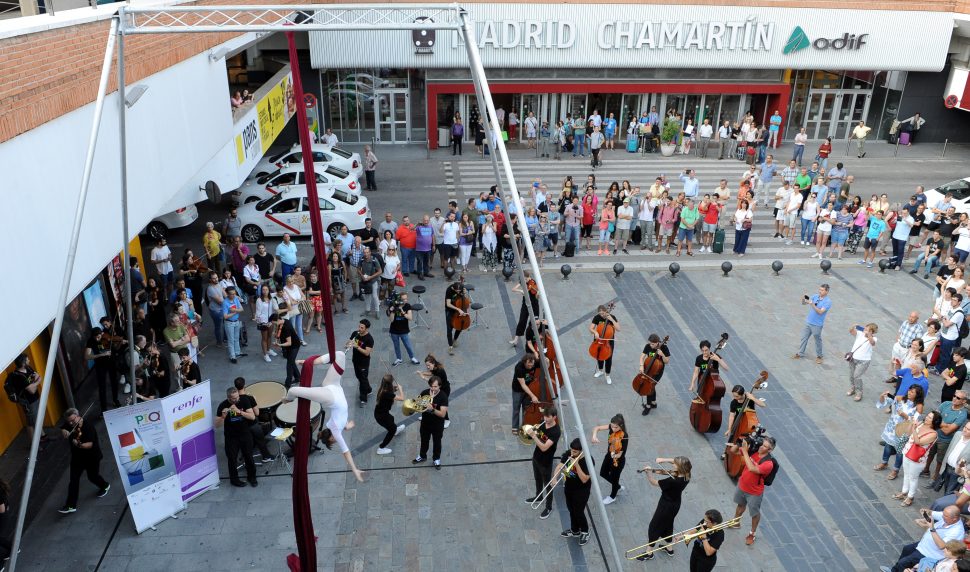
pixel 188 417
pixel 143 453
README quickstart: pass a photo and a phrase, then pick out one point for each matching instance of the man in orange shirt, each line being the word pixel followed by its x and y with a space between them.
pixel 751 484
pixel 407 239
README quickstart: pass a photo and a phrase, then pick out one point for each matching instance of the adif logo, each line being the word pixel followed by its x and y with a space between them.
pixel 799 41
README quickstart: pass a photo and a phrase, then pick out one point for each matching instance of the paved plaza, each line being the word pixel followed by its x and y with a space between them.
pixel 827 510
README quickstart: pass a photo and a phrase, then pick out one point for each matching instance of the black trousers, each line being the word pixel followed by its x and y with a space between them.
pixel 908 557
pixel 542 473
pixel 292 371
pixel 431 433
pixel 697 565
pixel 452 334
pixel 386 420
pixel 92 467
pixel 611 473
pixel 236 444
pixel 523 323
pixel 595 160
pixel 371 180
pixel 456 144
pixel 576 503
pixel 259 440
pixel 652 397
pixel 104 375
pixel 363 385
pixel 606 364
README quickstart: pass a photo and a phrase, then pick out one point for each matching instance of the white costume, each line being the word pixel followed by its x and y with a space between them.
pixel 330 395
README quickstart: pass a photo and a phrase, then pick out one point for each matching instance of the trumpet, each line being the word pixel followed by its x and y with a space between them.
pixel 417 405
pixel 685 536
pixel 557 478
pixel 524 435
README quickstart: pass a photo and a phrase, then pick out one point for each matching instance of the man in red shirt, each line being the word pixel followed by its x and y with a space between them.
pixel 751 484
pixel 709 210
pixel 407 239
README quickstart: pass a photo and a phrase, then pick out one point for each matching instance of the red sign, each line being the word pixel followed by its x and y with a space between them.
pixel 310 100
pixel 951 101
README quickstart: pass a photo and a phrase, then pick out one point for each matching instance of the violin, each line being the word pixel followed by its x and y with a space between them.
pixel 616 446
pixel 196 264
pixel 705 409
pixel 600 348
pixel 645 383
pixel 742 425
pixel 461 320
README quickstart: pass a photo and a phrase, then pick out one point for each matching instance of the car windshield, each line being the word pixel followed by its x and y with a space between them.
pixel 341 152
pixel 345 197
pixel 339 173
pixel 277 156
pixel 262 180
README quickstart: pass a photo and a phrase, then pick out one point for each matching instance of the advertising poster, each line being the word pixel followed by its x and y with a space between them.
pixel 143 454
pixel 74 337
pixel 94 300
pixel 116 275
pixel 273 111
pixel 188 419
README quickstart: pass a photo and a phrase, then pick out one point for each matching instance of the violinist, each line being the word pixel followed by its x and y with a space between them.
pixel 546 439
pixel 671 490
pixel 615 459
pixel 453 294
pixel 24 383
pixel 157 370
pixel 189 373
pixel 522 325
pixel 602 323
pixel 99 350
pixel 85 457
pixel 525 373
pixel 656 355
pixel 701 363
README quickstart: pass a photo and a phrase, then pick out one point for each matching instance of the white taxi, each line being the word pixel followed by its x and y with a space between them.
pixel 293 177
pixel 289 212
pixel 322 155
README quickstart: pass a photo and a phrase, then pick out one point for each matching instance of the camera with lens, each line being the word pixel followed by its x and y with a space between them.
pixel 395 305
pixel 756 438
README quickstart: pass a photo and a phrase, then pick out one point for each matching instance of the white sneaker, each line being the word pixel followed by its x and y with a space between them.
pixel 384 451
pixel 272 353
pixel 266 358
pixel 608 500
pixel 447 423
pixel 127 388
pixel 788 243
pixel 396 362
pixel 598 374
pixel 400 429
pixel 609 381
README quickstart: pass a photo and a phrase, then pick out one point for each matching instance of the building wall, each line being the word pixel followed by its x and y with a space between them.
pixel 924 95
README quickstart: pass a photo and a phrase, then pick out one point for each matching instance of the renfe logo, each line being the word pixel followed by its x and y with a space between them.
pixel 799 41
pixel 188 404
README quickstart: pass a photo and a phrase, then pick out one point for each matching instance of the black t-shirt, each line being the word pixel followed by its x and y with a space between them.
pixel 289 333
pixel 551 433
pixel 234 425
pixel 19 381
pixel 265 263
pixel 735 406
pixel 522 372
pixel 368 237
pixel 96 348
pixel 194 376
pixel 440 400
pixel 947 225
pixel 88 434
pixel 597 320
pixel 573 483
pixel 918 220
pixel 650 353
pixel 671 489
pixel 960 372
pixel 944 272
pixel 399 322
pixel 442 375
pixel 384 403
pixel 247 402
pixel 701 364
pixel 699 556
pixel 363 341
pixel 936 246
pixel 451 294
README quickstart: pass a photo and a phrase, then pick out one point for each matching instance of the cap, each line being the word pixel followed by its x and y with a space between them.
pixel 912 198
pixel 626 201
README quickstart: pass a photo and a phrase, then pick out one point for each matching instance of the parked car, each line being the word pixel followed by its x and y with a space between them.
pixel 289 212
pixel 961 192
pixel 292 176
pixel 322 155
pixel 184 216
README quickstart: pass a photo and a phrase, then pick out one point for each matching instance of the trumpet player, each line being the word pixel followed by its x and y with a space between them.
pixel 615 458
pixel 577 490
pixel 671 489
pixel 433 422
pixel 360 345
pixel 703 554
pixel 546 439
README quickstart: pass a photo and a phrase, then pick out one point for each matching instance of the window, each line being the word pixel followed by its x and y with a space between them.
pixel 345 197
pixel 338 173
pixel 960 189
pixel 320 157
pixel 341 153
pixel 262 180
pixel 322 179
pixel 326 205
pixel 286 206
pixel 266 203
pixel 283 179
pixel 278 156
pixel 294 158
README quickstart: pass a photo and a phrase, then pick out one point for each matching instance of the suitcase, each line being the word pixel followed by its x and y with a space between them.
pixel 569 250
pixel 632 144
pixel 718 245
pixel 904 138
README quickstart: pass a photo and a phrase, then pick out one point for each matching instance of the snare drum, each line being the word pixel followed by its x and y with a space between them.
pixel 268 396
pixel 286 414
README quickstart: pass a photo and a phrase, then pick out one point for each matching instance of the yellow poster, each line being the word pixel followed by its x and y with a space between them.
pixel 274 111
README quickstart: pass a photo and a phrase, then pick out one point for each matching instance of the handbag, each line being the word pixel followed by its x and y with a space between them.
pixel 746 224
pixel 305 306
pixel 848 356
pixel 399 280
pixel 916 452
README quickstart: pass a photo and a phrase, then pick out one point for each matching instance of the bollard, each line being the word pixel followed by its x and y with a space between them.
pixel 726 267
pixel 566 271
pixel 883 265
pixel 507 272
pixel 825 265
pixel 674 269
pixel 945 143
pixel 449 272
pixel 618 269
pixel 777 266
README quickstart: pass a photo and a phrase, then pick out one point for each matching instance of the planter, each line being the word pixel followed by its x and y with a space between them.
pixel 667 149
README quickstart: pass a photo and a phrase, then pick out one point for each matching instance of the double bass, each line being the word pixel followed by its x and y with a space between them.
pixel 743 423
pixel 705 409
pixel 600 348
pixel 461 320
pixel 644 383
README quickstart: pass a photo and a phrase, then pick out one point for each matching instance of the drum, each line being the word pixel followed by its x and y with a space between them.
pixel 268 396
pixel 286 414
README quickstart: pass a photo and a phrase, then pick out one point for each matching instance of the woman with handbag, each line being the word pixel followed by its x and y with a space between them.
pixel 607 220
pixel 860 356
pixel 338 273
pixel 914 455
pixel 266 306
pixel 902 413
pixel 314 294
pixel 293 296
pixel 392 269
pixel 742 227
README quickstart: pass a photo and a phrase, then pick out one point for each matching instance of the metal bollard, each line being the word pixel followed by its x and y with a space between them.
pixel 945 143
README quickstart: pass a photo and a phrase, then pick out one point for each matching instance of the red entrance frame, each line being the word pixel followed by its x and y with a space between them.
pixel 779 93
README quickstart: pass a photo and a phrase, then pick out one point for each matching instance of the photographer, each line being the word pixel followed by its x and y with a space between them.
pixel 751 484
pixel 821 304
pixel 400 313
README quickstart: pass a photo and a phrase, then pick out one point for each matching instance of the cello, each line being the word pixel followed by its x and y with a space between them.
pixel 461 320
pixel 705 409
pixel 743 424
pixel 645 383
pixel 549 350
pixel 600 348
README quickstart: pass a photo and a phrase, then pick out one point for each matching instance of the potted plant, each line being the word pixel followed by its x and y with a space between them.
pixel 668 137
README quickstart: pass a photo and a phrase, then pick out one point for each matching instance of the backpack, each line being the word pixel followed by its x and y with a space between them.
pixel 771 475
pixel 964 327
pixel 8 387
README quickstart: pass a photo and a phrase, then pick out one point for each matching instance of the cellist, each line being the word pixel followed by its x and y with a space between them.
pixel 600 327
pixel 716 362
pixel 655 354
pixel 523 323
pixel 453 294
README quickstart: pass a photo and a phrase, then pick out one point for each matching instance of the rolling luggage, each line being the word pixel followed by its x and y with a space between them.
pixel 569 250
pixel 904 138
pixel 718 245
pixel 631 145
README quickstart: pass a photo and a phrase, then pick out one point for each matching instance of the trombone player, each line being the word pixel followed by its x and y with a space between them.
pixel 703 555
pixel 577 489
pixel 546 438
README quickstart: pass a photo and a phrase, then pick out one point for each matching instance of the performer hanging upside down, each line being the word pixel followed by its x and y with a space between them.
pixel 330 395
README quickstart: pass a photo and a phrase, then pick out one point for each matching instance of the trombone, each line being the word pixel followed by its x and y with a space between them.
pixel 557 478
pixel 685 536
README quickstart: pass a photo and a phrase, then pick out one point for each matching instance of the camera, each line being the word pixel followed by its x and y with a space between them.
pixel 756 438
pixel 395 304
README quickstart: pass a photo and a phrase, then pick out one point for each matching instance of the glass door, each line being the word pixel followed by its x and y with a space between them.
pixel 393 116
pixel 710 110
pixel 821 109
